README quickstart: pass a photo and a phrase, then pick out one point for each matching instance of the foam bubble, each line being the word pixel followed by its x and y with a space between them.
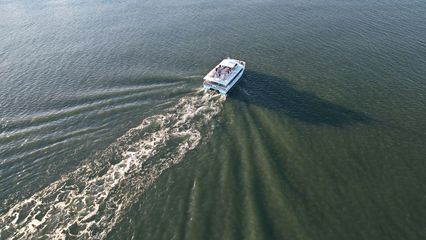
pixel 88 202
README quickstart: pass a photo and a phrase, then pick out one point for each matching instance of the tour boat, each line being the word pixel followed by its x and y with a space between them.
pixel 224 76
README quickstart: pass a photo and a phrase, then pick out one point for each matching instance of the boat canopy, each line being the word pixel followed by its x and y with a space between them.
pixel 228 63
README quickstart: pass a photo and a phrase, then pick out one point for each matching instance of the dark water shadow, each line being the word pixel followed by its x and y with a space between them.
pixel 279 95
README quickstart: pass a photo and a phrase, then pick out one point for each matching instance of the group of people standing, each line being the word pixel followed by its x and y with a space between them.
pixel 222 71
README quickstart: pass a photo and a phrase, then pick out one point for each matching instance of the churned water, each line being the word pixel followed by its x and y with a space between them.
pixel 105 132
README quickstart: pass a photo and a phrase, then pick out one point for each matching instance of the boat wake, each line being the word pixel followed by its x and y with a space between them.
pixel 88 202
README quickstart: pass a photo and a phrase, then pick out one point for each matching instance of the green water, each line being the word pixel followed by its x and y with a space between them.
pixel 105 133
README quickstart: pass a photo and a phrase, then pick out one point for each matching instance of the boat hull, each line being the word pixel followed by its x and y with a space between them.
pixel 224 90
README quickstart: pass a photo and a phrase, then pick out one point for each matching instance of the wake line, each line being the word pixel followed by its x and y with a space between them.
pixel 83 104
pixel 88 202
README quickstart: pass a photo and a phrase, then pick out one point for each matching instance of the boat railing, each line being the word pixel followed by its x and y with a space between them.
pixel 209 84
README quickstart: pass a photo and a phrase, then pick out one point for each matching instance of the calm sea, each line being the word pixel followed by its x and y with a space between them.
pixel 105 132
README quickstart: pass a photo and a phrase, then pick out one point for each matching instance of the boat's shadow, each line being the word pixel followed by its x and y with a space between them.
pixel 279 95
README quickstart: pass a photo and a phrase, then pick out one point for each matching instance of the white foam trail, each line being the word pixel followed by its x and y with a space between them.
pixel 88 202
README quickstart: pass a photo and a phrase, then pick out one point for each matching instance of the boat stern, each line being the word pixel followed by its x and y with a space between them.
pixel 210 87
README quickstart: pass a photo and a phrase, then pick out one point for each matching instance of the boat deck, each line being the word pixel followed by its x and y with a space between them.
pixel 224 72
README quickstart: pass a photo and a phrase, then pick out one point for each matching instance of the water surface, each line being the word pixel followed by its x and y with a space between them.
pixel 104 132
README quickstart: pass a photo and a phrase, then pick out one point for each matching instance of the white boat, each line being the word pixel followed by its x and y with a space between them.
pixel 224 76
